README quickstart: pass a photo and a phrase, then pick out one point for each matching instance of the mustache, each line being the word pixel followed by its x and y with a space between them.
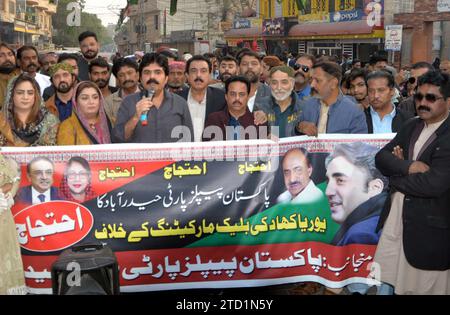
pixel 128 81
pixel 199 80
pixel 426 108
pixel 32 65
pixel 7 64
pixel 300 74
pixel 294 183
pixel 152 81
pixel 314 91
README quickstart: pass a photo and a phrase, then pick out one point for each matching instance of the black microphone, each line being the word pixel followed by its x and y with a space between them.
pixel 147 94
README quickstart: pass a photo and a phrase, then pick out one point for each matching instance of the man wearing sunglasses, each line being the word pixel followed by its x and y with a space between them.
pixel 382 116
pixel 302 69
pixel 413 251
pixel 417 70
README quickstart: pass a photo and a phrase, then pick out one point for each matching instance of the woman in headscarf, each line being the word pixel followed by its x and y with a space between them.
pixel 12 279
pixel 88 123
pixel 76 185
pixel 24 120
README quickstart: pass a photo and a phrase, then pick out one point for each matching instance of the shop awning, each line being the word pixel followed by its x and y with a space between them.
pixel 252 32
pixel 331 29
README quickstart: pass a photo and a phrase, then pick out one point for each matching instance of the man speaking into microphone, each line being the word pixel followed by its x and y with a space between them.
pixel 151 116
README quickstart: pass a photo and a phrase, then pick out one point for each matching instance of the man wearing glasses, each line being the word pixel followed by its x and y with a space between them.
pixel 417 70
pixel 302 69
pixel 40 173
pixel 413 251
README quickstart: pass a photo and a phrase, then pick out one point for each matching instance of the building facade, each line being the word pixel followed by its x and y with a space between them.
pixel 335 27
pixel 426 30
pixel 27 22
pixel 149 25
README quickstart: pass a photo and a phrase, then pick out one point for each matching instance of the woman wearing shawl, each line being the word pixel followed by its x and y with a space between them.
pixel 88 123
pixel 24 120
pixel 76 185
pixel 12 279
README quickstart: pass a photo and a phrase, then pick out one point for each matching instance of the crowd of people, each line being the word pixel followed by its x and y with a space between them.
pixel 67 99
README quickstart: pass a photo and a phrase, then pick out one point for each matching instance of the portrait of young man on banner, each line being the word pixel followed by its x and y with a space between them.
pixel 356 192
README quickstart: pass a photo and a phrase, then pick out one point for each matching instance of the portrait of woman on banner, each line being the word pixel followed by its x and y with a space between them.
pixel 76 184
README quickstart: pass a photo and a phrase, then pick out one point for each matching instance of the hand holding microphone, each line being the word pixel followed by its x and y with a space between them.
pixel 148 95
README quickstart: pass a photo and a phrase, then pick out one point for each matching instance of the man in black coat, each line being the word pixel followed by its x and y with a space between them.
pixel 414 244
pixel 382 116
pixel 202 99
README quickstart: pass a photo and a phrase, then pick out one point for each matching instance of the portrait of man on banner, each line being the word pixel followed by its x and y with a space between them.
pixel 356 192
pixel 40 172
pixel 297 170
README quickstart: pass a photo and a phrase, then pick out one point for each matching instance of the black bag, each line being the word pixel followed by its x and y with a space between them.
pixel 89 269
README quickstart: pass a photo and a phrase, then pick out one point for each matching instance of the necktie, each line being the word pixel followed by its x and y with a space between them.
pixel 41 197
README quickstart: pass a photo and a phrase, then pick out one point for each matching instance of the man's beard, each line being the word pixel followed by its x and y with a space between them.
pixel 7 68
pixel 281 96
pixel 252 77
pixel 225 76
pixel 64 87
pixel 101 83
pixel 90 54
pixel 174 85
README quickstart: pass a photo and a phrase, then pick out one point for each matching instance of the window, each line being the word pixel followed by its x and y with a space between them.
pixel 403 6
pixel 319 6
pixel 12 7
pixel 156 22
pixel 344 5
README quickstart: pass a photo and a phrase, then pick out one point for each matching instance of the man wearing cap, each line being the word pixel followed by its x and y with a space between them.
pixel 177 79
pixel 283 107
pixel 63 79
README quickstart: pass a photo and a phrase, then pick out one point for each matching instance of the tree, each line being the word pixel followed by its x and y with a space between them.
pixel 68 35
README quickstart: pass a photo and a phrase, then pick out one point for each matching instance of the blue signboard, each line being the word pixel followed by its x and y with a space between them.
pixel 346 16
pixel 242 23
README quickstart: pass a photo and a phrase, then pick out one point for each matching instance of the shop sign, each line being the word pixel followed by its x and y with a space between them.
pixel 274 27
pixel 241 23
pixel 345 16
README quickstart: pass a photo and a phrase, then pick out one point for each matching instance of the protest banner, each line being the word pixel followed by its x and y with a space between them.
pixel 205 215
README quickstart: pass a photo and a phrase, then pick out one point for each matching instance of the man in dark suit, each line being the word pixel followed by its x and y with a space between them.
pixel 413 251
pixel 382 116
pixel 202 99
pixel 40 173
pixel 235 122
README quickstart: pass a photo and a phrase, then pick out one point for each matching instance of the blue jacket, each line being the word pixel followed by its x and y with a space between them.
pixel 360 227
pixel 344 116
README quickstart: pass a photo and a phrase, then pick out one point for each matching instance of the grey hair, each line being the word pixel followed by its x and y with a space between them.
pixel 362 155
